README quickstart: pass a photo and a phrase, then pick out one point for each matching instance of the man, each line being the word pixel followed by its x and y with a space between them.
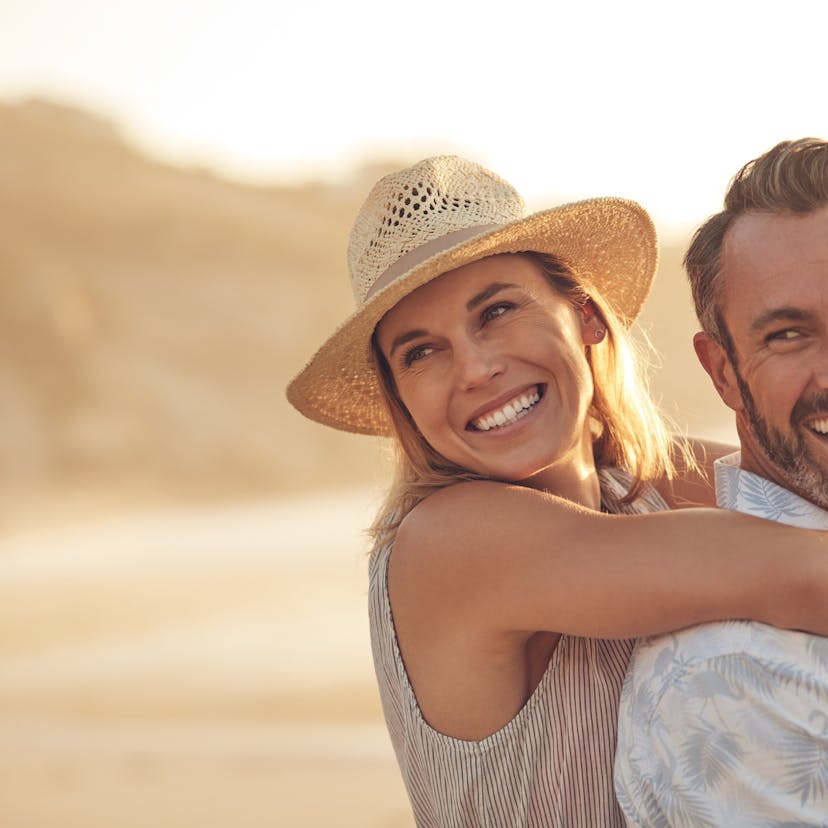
pixel 727 724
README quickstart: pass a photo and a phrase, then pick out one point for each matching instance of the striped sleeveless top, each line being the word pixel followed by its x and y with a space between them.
pixel 551 765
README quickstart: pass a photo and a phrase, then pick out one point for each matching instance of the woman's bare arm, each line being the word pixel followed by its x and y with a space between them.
pixel 499 558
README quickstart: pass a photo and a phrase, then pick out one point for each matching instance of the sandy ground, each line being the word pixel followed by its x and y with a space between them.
pixel 192 667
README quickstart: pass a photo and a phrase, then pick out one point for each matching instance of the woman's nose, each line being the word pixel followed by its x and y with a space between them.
pixel 478 361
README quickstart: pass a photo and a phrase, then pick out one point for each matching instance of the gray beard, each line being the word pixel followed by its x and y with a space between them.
pixel 789 453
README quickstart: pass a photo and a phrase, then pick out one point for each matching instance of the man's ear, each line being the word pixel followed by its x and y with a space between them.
pixel 715 361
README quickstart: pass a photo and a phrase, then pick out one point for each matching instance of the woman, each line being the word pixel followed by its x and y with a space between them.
pixel 504 593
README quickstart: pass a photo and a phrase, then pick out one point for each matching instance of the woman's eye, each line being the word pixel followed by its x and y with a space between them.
pixel 493 311
pixel 416 353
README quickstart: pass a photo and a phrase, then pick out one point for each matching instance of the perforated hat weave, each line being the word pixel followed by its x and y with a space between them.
pixel 441 214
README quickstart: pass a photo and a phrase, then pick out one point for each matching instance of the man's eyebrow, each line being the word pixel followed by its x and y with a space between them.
pixel 487 293
pixel 784 314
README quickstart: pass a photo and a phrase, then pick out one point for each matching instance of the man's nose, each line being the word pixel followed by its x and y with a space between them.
pixel 818 361
pixel 820 373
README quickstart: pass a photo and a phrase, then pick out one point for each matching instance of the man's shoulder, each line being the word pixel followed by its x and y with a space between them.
pixel 719 658
pixel 699 643
pixel 662 655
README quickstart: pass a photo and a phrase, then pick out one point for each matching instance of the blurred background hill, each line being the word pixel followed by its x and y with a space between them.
pixel 151 315
pixel 150 318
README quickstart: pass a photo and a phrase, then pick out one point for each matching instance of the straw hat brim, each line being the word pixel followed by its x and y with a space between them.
pixel 609 243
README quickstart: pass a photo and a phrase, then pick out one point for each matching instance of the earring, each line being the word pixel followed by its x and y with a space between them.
pixel 599 334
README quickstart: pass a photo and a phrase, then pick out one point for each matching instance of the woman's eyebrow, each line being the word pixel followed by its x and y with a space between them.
pixel 406 337
pixel 487 293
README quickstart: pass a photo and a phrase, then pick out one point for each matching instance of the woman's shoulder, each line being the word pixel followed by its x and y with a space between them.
pixel 480 492
pixel 461 507
pixel 479 521
pixel 445 523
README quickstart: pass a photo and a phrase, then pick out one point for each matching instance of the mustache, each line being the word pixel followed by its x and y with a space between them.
pixel 807 407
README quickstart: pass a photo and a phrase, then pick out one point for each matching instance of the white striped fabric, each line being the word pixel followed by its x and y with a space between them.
pixel 549 766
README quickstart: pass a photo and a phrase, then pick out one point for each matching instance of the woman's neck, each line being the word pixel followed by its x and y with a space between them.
pixel 574 477
pixel 580 485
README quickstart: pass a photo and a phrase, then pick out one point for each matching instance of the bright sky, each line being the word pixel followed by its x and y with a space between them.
pixel 656 101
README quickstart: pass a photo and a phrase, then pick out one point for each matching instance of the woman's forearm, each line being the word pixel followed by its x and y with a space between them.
pixel 528 561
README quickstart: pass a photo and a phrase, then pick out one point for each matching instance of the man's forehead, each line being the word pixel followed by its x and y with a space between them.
pixel 759 238
pixel 775 258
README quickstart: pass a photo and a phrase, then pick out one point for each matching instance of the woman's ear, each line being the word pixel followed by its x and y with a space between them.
pixel 716 362
pixel 593 328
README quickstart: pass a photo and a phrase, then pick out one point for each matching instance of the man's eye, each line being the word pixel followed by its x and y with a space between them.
pixel 785 335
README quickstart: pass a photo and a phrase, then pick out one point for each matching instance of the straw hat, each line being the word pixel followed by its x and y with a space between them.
pixel 441 214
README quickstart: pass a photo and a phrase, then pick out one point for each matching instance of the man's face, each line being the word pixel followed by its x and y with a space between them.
pixel 774 304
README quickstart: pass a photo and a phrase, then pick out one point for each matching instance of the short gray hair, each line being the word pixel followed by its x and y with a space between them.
pixel 791 177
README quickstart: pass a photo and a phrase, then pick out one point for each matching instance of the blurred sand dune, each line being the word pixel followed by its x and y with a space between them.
pixel 150 317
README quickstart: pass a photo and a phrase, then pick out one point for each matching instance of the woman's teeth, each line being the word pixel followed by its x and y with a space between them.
pixel 509 413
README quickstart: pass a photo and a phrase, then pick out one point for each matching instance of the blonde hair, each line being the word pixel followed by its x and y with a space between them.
pixel 631 433
pixel 790 177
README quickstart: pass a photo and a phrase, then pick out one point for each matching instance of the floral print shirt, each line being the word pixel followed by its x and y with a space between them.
pixel 726 724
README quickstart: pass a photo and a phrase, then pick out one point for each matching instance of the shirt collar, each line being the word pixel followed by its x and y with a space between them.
pixel 743 491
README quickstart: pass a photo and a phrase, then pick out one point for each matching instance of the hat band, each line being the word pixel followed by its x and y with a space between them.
pixel 425 251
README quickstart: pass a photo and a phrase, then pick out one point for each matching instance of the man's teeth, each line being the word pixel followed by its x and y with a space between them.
pixel 513 411
pixel 820 426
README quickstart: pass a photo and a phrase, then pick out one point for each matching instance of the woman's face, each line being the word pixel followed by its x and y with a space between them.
pixel 489 361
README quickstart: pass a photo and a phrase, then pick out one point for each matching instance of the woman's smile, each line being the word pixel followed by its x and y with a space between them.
pixel 516 408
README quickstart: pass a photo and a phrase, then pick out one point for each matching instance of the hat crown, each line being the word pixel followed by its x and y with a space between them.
pixel 417 205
